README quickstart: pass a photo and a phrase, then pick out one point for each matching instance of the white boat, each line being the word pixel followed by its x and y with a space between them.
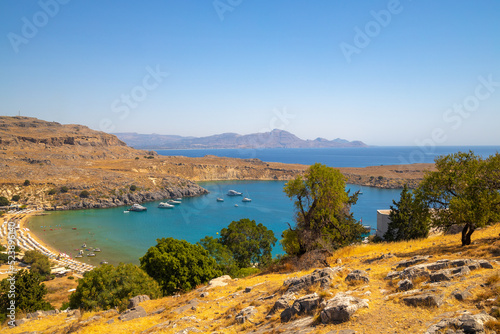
pixel 90 254
pixel 84 246
pixel 234 193
pixel 79 255
pixel 97 249
pixel 220 199
pixel 165 205
pixel 104 262
pixel 236 205
pixel 126 211
pixel 246 199
pixel 174 202
pixel 178 199
pixel 137 207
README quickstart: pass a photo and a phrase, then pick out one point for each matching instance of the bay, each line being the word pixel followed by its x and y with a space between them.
pixel 125 237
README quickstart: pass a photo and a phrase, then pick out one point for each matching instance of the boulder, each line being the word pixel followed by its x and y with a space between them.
pixel 283 302
pixel 133 313
pixel 357 275
pixel 245 314
pixel 466 323
pixel 134 301
pixel 219 281
pixel 322 276
pixel 424 299
pixel 341 307
pixel 485 264
pixel 413 261
pixel 461 295
pixel 405 285
pixel 301 306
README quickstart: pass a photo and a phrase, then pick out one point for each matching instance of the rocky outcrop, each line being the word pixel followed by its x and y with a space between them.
pixel 425 299
pixel 133 313
pixel 301 306
pixel 135 301
pixel 465 323
pixel 245 314
pixel 323 277
pixel 341 308
pixel 357 276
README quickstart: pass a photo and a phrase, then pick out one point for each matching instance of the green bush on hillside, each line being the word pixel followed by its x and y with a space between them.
pixel 26 182
pixel 64 189
pixel 15 198
pixel 39 263
pixel 108 286
pixel 178 265
pixel 84 194
pixel 4 201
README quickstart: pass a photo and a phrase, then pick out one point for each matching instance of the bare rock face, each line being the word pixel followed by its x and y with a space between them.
pixel 413 261
pixel 135 301
pixel 341 307
pixel 283 302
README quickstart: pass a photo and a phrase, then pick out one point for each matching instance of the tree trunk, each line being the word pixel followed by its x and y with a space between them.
pixel 467 233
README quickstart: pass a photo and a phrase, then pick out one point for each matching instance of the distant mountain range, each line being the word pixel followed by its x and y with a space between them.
pixel 274 139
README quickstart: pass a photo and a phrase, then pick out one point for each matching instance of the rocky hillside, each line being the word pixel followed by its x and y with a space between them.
pixel 62 161
pixel 426 286
pixel 273 139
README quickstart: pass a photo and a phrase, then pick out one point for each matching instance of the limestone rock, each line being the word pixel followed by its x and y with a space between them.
pixel 283 302
pixel 135 301
pixel 341 307
pixel 301 306
pixel 133 313
pixel 405 285
pixel 424 299
pixel 357 275
pixel 485 264
pixel 466 323
pixel 245 314
pixel 323 276
pixel 219 281
pixel 461 295
pixel 414 260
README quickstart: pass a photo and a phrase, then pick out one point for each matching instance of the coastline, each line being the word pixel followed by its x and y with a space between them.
pixel 27 237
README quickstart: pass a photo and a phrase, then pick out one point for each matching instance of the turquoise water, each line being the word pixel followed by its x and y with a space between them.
pixel 125 237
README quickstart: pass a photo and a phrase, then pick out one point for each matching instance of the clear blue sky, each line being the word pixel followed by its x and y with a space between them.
pixel 384 72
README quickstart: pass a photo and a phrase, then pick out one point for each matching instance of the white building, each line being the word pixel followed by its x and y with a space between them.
pixel 382 222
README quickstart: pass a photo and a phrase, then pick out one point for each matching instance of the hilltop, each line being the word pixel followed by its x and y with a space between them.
pixel 273 139
pixel 422 286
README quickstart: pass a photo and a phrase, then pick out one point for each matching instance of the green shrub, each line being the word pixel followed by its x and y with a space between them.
pixel 84 194
pixel 4 201
pixel 15 198
pixel 64 189
pixel 290 242
pixel 4 258
pixel 39 263
pixel 26 182
pixel 64 306
pixel 244 272
pixel 108 286
pixel 178 265
pixel 133 187
pixel 52 192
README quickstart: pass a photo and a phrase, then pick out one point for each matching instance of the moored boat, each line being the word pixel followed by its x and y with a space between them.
pixel 246 199
pixel 174 202
pixel 220 199
pixel 234 193
pixel 164 205
pixel 137 207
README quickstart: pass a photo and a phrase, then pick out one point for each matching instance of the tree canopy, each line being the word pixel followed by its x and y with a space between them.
pixel 249 242
pixel 464 190
pixel 39 263
pixel 108 286
pixel 409 219
pixel 178 265
pixel 4 201
pixel 221 254
pixel 29 293
pixel 323 218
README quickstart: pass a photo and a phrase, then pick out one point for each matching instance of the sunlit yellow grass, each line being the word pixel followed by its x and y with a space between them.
pixel 216 311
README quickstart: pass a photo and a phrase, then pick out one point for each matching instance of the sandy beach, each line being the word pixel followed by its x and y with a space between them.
pixel 26 240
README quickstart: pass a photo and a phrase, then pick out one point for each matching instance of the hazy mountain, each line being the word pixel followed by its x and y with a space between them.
pixel 273 139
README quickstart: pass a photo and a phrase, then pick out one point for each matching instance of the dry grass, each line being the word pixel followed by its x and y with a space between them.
pixel 216 312
pixel 58 290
